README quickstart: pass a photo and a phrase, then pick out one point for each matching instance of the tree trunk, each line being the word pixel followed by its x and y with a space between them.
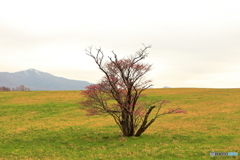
pixel 127 125
pixel 143 128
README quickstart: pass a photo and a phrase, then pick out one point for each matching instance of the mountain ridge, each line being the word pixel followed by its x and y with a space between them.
pixel 38 80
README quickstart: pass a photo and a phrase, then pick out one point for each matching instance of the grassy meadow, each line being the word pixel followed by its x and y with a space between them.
pixel 49 125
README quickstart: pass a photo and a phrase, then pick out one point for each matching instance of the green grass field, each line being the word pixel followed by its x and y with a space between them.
pixel 50 125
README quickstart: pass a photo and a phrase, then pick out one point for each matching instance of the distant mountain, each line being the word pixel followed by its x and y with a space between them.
pixel 37 80
pixel 166 87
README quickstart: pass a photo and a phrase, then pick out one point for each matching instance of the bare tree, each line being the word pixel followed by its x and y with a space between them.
pixel 4 88
pixel 119 92
pixel 21 88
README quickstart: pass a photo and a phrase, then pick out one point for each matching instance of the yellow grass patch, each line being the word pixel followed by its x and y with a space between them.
pixel 39 97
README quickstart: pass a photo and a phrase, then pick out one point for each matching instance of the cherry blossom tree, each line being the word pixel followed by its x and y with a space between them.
pixel 120 92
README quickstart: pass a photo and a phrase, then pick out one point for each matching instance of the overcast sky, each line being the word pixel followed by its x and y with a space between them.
pixel 194 43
